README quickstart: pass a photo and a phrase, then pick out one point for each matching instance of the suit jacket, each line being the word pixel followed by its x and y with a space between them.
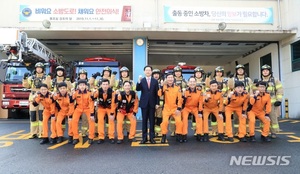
pixel 148 96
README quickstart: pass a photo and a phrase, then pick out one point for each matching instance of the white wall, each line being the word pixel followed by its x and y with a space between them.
pixel 142 11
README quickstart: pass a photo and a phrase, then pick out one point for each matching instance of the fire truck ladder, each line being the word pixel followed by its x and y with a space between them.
pixel 33 50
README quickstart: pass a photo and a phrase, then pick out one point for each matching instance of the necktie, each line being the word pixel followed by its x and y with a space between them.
pixel 148 81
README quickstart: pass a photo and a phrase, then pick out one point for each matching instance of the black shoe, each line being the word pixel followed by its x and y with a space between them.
pixel 221 137
pixel 152 141
pixel 75 141
pixel 33 136
pixel 184 138
pixel 112 141
pixel 70 140
pixel 266 139
pixel 60 140
pixel 52 140
pixel 119 141
pixel 100 141
pixel 90 141
pixel 244 139
pixel 44 141
pixel 201 138
pixel 131 140
pixel 252 139
pixel 143 141
pixel 230 139
pixel 163 138
pixel 205 138
pixel 179 138
pixel 198 137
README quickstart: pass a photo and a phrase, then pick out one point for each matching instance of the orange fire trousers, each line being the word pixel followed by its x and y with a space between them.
pixel 261 117
pixel 120 119
pixel 46 117
pixel 166 115
pixel 59 129
pixel 75 120
pixel 101 123
pixel 215 111
pixel 242 121
pixel 185 122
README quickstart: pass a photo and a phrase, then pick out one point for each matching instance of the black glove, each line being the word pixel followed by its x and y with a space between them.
pixel 231 75
pixel 255 81
pixel 26 75
pixel 115 73
pixel 96 75
pixel 277 103
pixel 208 74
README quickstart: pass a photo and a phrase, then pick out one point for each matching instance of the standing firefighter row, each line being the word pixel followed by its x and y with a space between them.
pixel 108 107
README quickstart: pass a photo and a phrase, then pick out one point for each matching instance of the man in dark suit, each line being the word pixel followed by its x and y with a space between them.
pixel 148 101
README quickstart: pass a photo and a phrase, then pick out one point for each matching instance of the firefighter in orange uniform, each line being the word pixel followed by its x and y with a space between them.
pixel 237 102
pixel 44 97
pixel 213 104
pixel 261 108
pixel 106 106
pixel 84 104
pixel 193 102
pixel 172 107
pixel 65 106
pixel 128 104
pixel 33 82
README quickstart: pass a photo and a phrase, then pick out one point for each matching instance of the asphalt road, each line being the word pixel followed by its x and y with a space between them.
pixel 18 154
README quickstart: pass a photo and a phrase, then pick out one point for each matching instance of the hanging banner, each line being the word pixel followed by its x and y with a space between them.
pixel 218 14
pixel 29 13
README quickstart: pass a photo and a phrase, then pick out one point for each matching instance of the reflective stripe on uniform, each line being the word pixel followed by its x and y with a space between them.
pixel 275 126
pixel 127 122
pixel 194 124
pixel 84 128
pixel 172 121
pixel 34 123
pixel 213 123
pixel 157 129
pixel 235 125
pixel 161 103
pixel 40 123
pixel 278 86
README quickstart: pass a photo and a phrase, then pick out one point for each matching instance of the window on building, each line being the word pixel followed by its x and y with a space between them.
pixel 295 56
pixel 266 60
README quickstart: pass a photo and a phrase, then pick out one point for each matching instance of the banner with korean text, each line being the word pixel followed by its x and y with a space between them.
pixel 218 14
pixel 118 13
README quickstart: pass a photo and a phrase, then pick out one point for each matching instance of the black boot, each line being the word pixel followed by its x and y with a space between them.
pixel 179 138
pixel 198 137
pixel 70 140
pixel 90 141
pixel 252 139
pixel 119 141
pixel 230 139
pixel 221 137
pixel 244 139
pixel 184 138
pixel 60 139
pixel 205 138
pixel 163 138
pixel 112 141
pixel 75 141
pixel 100 141
pixel 44 141
pixel 265 139
pixel 52 140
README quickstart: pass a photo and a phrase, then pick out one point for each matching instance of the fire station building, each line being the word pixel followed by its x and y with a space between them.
pixel 165 32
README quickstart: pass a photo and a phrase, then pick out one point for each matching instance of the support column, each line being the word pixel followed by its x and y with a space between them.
pixel 139 60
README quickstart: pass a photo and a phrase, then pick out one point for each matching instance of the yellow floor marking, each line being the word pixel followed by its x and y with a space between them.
pixel 295 122
pixel 214 139
pixel 282 121
pixel 5 143
pixel 58 145
pixel 15 136
pixel 285 133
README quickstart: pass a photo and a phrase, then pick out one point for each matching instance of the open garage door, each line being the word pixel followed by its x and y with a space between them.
pixel 77 50
pixel 163 53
